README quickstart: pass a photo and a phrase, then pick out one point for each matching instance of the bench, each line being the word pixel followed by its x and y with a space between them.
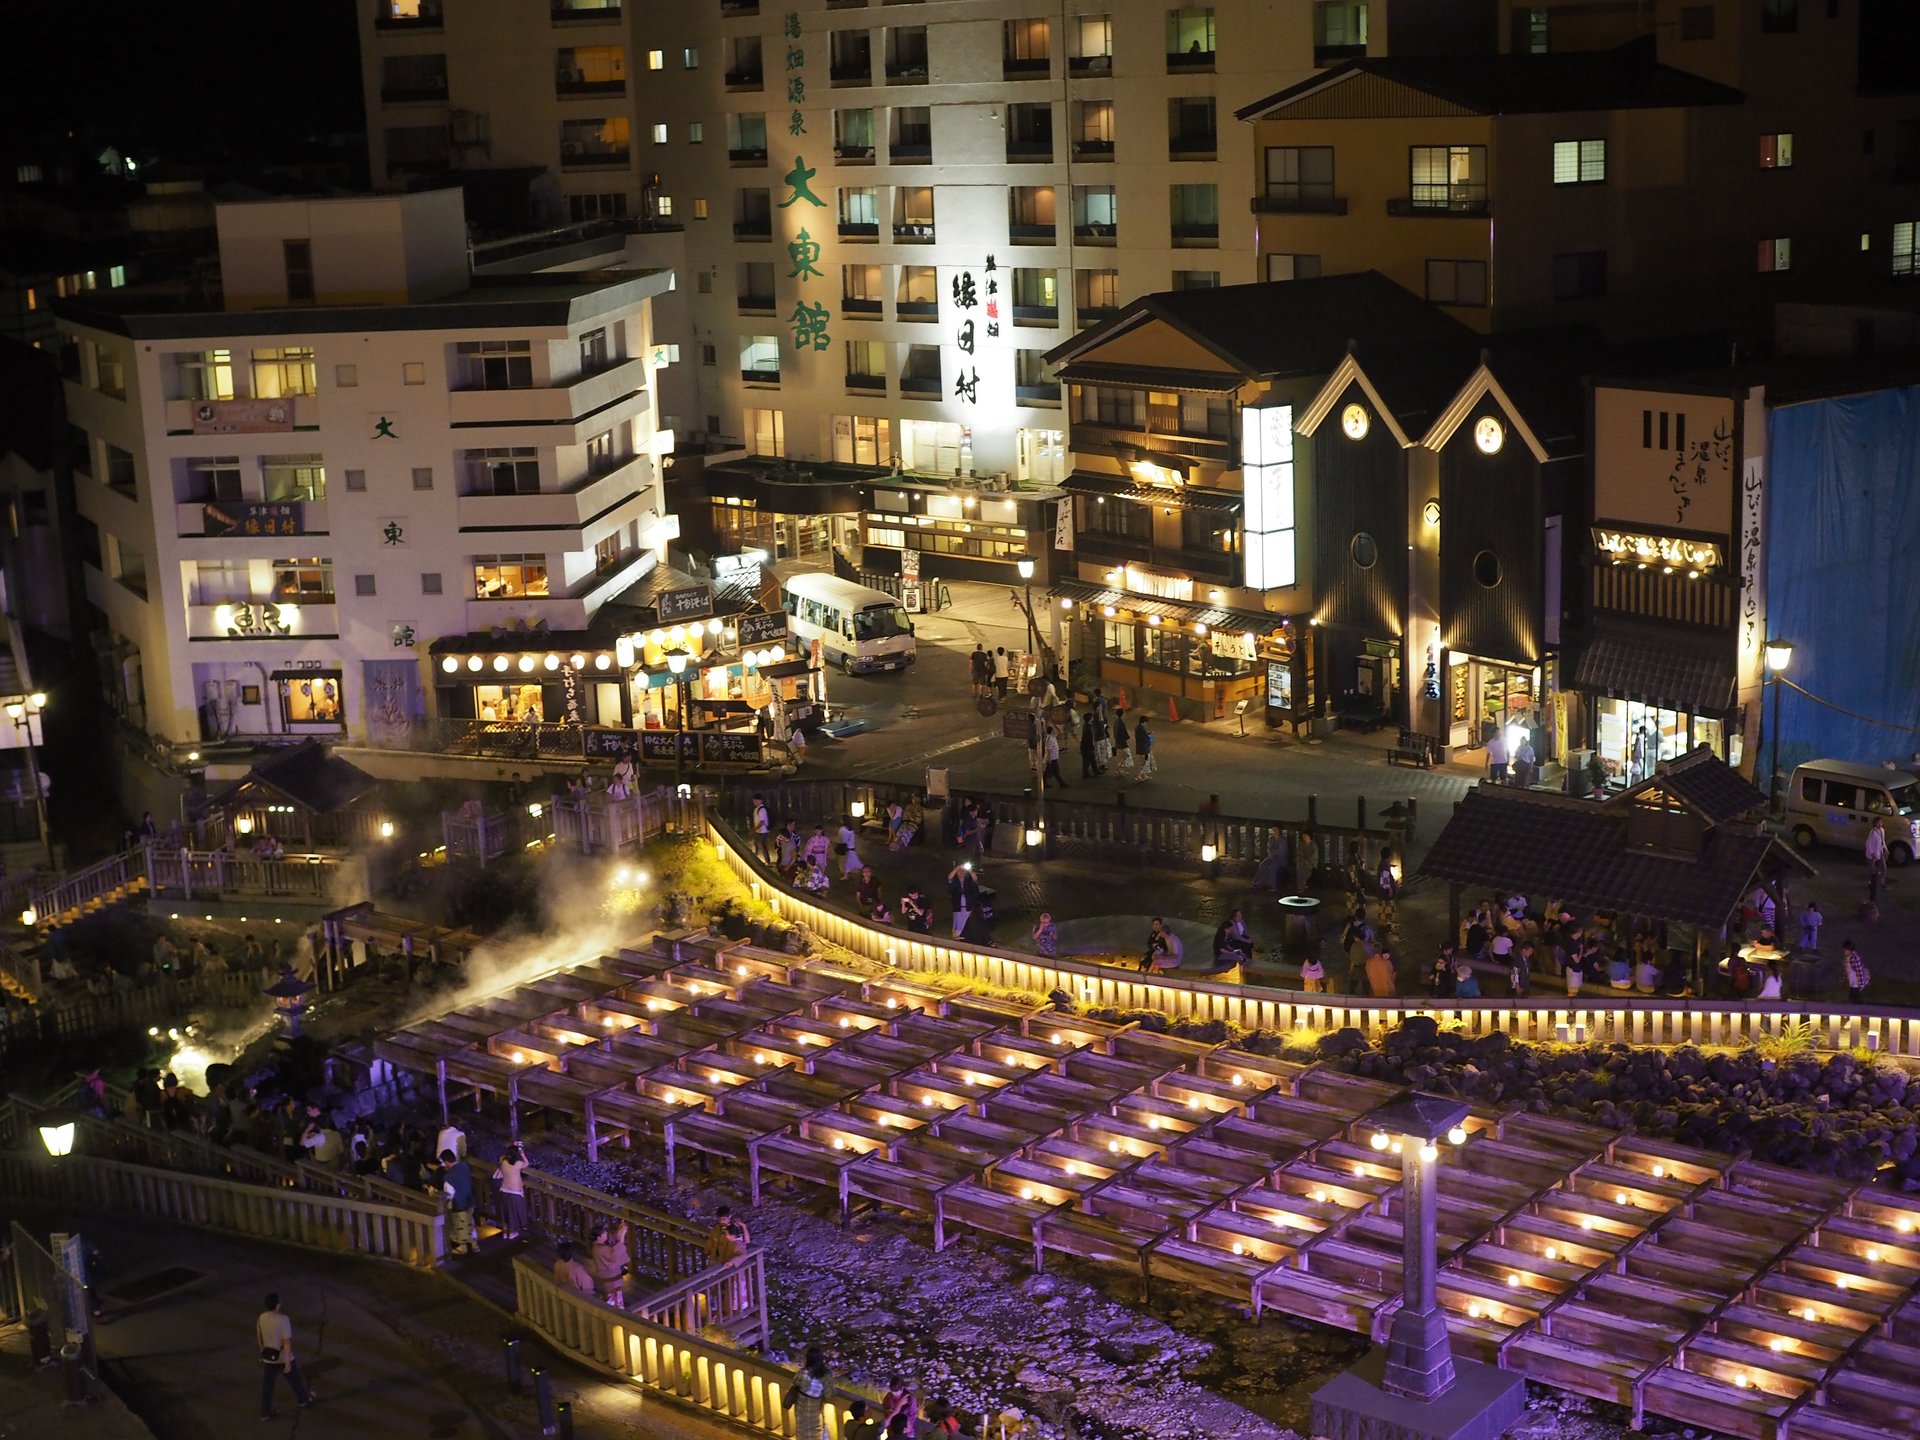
pixel 1413 748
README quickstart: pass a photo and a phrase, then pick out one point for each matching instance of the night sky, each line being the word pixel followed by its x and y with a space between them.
pixel 197 80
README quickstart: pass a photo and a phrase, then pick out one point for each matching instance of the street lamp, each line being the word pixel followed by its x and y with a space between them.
pixel 1025 567
pixel 1779 656
pixel 58 1138
pixel 677 667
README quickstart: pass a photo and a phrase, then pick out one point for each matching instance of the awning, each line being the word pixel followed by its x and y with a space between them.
pixel 1671 668
pixel 1234 622
pixel 1185 497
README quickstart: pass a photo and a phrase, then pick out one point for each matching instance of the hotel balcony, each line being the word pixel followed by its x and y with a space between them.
pixel 549 404
pixel 561 510
pixel 242 416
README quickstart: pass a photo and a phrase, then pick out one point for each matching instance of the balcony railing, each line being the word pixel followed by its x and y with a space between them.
pixel 859 230
pixel 1442 203
pixel 562 12
pixel 1036 314
pixel 752 79
pixel 739 7
pixel 1025 67
pixel 851 73
pixel 1193 234
pixel 753 229
pixel 919 384
pixel 755 304
pixel 1324 55
pixel 1093 151
pixel 1195 146
pixel 911 152
pixel 1080 65
pixel 566 86
pixel 579 157
pixel 1297 203
pixel 907 72
pixel 427 17
pixel 418 90
pixel 1029 152
pixel 1038 393
pixel 857 305
pixel 876 384
pixel 748 155
pixel 1021 234
pixel 917 310
pixel 762 376
pixel 913 232
pixel 1096 232
pixel 630 485
pixel 853 154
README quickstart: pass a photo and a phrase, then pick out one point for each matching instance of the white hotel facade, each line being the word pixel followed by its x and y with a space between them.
pixel 1073 155
pixel 290 493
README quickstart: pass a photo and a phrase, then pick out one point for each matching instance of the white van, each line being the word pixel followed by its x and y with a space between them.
pixel 1835 802
pixel 859 629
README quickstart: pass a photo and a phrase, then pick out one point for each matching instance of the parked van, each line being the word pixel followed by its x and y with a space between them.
pixel 1835 802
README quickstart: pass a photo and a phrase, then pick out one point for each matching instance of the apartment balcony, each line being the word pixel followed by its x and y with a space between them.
pixel 748 155
pixel 861 231
pixel 1032 234
pixel 759 229
pixel 913 232
pixel 570 509
pixel 1042 315
pixel 850 74
pixel 1095 233
pixel 1093 315
pixel 1029 152
pixel 264 620
pixel 920 386
pixel 762 376
pixel 907 72
pixel 853 154
pixel 753 79
pixel 733 8
pixel 1038 394
pixel 250 519
pixel 917 310
pixel 242 417
pixel 551 404
pixel 1093 152
pixel 1025 67
pixel 754 304
pixel 1156 433
pixel 867 384
pixel 1193 147
pixel 858 308
pixel 569 87
pixel 423 92
pixel 1463 203
pixel 566 14
pixel 1081 67
pixel 426 17
pixel 1195 236
pixel 1325 55
pixel 1294 203
pixel 580 157
pixel 1190 62
pixel 911 152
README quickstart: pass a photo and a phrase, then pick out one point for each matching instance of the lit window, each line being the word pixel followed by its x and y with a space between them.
pixel 33 298
pixel 696 132
pixel 1579 162
pixel 413 372
pixel 1774 255
pixel 1776 151
pixel 117 276
pixel 699 209
pixel 284 371
pixel 665 205
pixel 1904 235
pixel 656 59
pixel 660 133
pixel 509 577
pixel 690 58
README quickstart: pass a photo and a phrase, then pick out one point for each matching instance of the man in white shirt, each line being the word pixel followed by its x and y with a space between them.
pixel 453 1138
pixel 273 1333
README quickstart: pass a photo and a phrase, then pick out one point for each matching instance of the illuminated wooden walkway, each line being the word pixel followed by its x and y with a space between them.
pixel 1753 1300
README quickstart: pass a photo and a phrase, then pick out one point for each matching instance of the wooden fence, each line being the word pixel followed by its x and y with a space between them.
pixel 259 1212
pixel 730 1384
pixel 161 1002
pixel 1133 832
pixel 1602 1019
pixel 599 824
pixel 189 874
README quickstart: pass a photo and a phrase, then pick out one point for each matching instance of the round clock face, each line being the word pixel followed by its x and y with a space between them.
pixel 1489 435
pixel 1354 421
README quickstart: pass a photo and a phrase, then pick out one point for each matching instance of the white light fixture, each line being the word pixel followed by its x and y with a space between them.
pixel 1779 655
pixel 1209 853
pixel 535 809
pixel 1025 566
pixel 29 917
pixel 677 662
pixel 623 652
pixel 857 808
pixel 526 664
pixel 474 662
pixel 243 824
pixel 500 664
pixel 1457 1135
pixel 1065 604
pixel 1034 836
pixel 1380 1140
pixel 602 660
pixel 450 664
pixel 552 662
pixel 1430 512
pixel 579 662
pixel 386 829
pixel 58 1139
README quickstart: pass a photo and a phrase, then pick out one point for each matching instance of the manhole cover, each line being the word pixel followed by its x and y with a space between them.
pixel 160 1282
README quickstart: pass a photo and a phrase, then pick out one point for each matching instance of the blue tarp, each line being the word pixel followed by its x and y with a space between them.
pixel 1843 574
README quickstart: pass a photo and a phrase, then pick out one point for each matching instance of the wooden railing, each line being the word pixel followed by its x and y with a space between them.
pixel 1601 1019
pixel 1142 835
pixel 189 874
pixel 58 898
pixel 660 1244
pixel 161 1001
pixel 20 974
pixel 731 1296
pixel 731 1384
pixel 600 823
pixel 260 1212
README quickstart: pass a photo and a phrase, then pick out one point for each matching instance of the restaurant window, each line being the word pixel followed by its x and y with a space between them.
pixel 1216 655
pixel 308 582
pixel 1121 640
pixel 1160 647
pixel 1116 519
pixel 1207 530
pixel 283 371
pixel 312 699
pixel 509 577
pixel 519 704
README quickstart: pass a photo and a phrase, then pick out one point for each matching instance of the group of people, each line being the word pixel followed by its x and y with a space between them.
pixel 1106 742
pixel 899 1415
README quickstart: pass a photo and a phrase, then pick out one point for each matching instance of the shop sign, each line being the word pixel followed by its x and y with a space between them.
pixel 911 598
pixel 241 417
pixel 759 629
pixel 1626 546
pixel 695 602
pixel 1280 685
pixel 252 517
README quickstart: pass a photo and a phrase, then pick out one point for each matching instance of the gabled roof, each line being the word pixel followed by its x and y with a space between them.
pixel 1555 847
pixel 1280 328
pixel 1625 78
pixel 307 776
pixel 1699 780
pixel 1409 385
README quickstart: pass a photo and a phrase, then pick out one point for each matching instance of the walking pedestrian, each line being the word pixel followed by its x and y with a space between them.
pixel 847 847
pixel 1306 862
pixel 1052 772
pixel 1810 921
pixel 1520 972
pixel 1102 738
pixel 273 1333
pixel 807 1395
pixel 610 1262
pixel 980 668
pixel 1876 859
pixel 1143 742
pixel 1276 863
pixel 512 1190
pixel 1089 748
pixel 1858 976
pixel 456 1184
pixel 762 828
pixel 1122 743
pixel 1002 671
pixel 786 848
pixel 1380 974
pixel 866 892
pixel 1497 756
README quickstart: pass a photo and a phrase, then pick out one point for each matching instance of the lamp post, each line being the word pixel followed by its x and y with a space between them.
pixel 1025 567
pixel 677 667
pixel 25 714
pixel 1779 656
pixel 1453 1397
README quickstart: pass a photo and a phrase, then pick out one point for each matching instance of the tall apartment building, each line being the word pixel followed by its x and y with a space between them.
pixel 287 498
pixel 891 211
pixel 1664 166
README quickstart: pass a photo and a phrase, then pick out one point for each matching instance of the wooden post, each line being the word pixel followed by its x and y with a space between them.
pixel 593 1134
pixel 513 1107
pixel 440 1067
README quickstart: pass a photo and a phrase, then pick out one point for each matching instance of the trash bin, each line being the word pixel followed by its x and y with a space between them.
pixel 73 1372
pixel 1298 924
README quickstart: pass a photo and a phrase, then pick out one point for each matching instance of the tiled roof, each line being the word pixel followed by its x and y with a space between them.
pixel 1214 618
pixel 1187 497
pixel 309 777
pixel 1659 665
pixel 1698 779
pixel 1555 847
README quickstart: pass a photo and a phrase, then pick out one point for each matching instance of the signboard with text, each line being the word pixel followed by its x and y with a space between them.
pixel 241 417
pixel 695 602
pixel 252 517
pixel 759 629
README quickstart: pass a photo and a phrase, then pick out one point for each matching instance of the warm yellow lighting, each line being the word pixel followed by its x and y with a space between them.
pixel 1513 1282
pixel 386 829
pixel 1553 1252
pixel 1396 1147
pixel 1319 1197
pixel 1779 655
pixel 1742 1381
pixel 1809 1314
pixel 1904 1225
pixel 1238 1248
pixel 58 1139
pixel 1586 1222
pixel 450 664
pixel 474 662
pixel 535 809
pixel 1779 1344
pixel 1239 1079
pixel 1026 1192
pixel 1659 1172
pixel 519 1057
pixel 500 663
pixel 1113 1146
pixel 552 662
pixel 1873 1257
pixel 1619 1197
pixel 1034 836
pixel 857 808
pixel 1429 1153
pixel 526 664
pixel 1457 1135
pixel 1054 1038
pixel 29 917
pixel 1379 1140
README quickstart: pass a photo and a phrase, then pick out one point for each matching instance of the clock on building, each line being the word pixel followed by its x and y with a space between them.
pixel 1489 435
pixel 1354 421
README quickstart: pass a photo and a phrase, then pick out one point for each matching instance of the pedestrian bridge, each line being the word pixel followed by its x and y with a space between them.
pixel 1680 1282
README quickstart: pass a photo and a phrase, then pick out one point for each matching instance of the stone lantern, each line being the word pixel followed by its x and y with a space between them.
pixel 289 994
